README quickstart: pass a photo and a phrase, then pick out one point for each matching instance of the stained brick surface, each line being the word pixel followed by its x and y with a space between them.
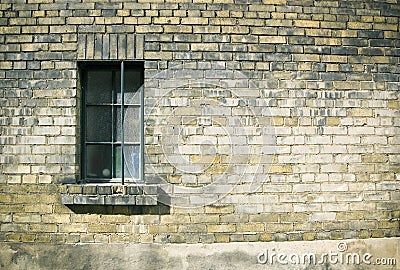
pixel 322 75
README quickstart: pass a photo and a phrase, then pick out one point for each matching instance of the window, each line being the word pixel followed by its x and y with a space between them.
pixel 112 122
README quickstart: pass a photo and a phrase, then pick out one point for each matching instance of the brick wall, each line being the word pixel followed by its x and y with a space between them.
pixel 290 109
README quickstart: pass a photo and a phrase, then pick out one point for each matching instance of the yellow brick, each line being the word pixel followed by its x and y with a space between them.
pixel 293 217
pixel 222 238
pixel 291 121
pixel 252 227
pixel 87 238
pixel 281 169
pixel 163 229
pixel 390 34
pixel 306 23
pixel 309 236
pixel 102 228
pixel 101 238
pixel 223 1
pixel 192 228
pixel 363 234
pixel 204 47
pixel 264 218
pixel 359 25
pixel 279 227
pixel 6 198
pixel 175 219
pixel 123 13
pixel 394 104
pixel 380 59
pixel 278 121
pixel 43 238
pixel 378 233
pixel 275 2
pixel 166 20
pixel 13 237
pixel 56 218
pixel 120 238
pixel 332 67
pixel 273 39
pixel 328 41
pixel 114 219
pixel 318 32
pixel 130 20
pixel 149 29
pixel 385 26
pixel 358 112
pixel 221 228
pixel 43 228
pixel 178 28
pixel 388 224
pixel 219 209
pixel 28 238
pixel 374 158
pixel 145 238
pixel 158 55
pixel 72 238
pixel 216 168
pixel 203 159
pixel 72 228
pixel 194 20
pixel 26 218
pixel 266 237
pixel 208 218
pixel 334 58
pixel 332 121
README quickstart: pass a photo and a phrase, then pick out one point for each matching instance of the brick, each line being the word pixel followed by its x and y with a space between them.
pixel 306 23
pixel 273 40
pixel 334 187
pixel 323 216
pixel 204 47
pixel 194 20
pixel 220 228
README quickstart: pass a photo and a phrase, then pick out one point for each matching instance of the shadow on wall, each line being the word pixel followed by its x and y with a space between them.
pixel 159 209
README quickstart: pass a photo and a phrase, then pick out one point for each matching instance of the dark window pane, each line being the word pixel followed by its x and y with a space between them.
pixel 131 165
pixel 98 123
pixel 98 161
pixel 99 86
pixel 131 86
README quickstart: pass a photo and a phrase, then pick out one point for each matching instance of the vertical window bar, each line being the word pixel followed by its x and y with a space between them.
pixel 122 123
pixel 83 125
pixel 113 87
pixel 141 147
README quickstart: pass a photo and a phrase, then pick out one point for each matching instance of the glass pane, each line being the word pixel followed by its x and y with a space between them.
pixel 131 162
pixel 98 161
pixel 131 86
pixel 132 124
pixel 98 123
pixel 99 86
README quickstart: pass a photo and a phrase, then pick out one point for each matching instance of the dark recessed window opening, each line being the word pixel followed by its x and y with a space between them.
pixel 112 122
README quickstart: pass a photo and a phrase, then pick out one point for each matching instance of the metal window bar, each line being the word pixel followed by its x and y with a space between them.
pixel 141 119
pixel 122 123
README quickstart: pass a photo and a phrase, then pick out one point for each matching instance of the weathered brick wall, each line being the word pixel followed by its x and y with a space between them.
pixel 318 81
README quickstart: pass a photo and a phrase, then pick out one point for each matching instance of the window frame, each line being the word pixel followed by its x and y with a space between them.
pixel 115 66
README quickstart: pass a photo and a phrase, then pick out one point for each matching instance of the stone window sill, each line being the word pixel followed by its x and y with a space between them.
pixel 109 194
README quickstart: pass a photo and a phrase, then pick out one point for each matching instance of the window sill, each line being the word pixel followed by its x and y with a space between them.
pixel 109 194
